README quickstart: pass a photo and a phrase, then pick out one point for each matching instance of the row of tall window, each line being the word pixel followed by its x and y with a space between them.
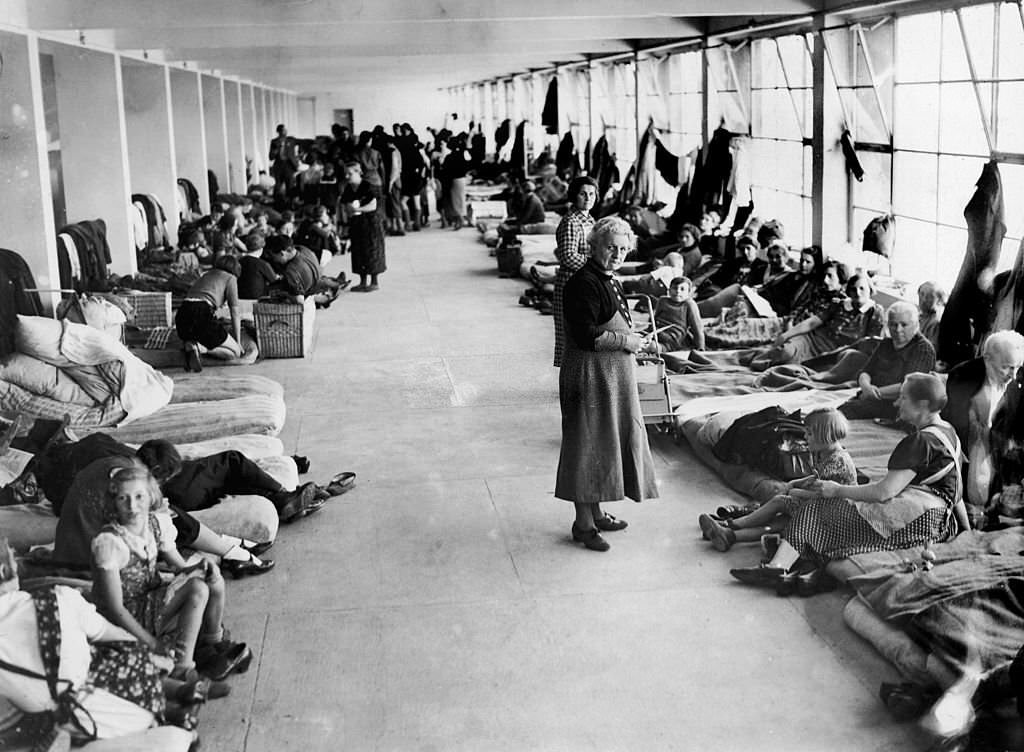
pixel 928 99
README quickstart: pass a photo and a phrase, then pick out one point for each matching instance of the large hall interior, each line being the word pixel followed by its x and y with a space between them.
pixel 339 341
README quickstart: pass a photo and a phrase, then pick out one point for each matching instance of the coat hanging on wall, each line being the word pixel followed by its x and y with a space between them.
pixel 549 115
pixel 966 318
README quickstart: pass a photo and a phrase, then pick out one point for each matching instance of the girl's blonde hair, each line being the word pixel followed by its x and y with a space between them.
pixel 119 477
pixel 826 425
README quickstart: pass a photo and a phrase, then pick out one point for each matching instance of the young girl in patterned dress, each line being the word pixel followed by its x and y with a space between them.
pixel 130 593
pixel 826 429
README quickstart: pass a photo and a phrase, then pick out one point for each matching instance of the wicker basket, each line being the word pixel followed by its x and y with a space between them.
pixel 149 309
pixel 284 330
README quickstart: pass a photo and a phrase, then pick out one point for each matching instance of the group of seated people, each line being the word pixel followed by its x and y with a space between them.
pixel 142 643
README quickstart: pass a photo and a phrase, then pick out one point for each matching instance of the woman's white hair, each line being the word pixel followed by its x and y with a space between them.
pixel 608 226
pixel 1006 341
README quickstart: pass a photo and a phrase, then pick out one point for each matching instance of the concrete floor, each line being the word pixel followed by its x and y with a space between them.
pixel 442 606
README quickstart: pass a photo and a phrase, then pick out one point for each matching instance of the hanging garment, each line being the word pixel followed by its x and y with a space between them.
pixel 850 155
pixel 502 134
pixel 549 115
pixel 968 310
pixel 666 163
pixel 17 295
pixel 191 197
pixel 645 187
pixel 739 178
pixel 140 232
pixel 880 235
pixel 1008 289
pixel 565 157
pixel 518 158
pixel 604 168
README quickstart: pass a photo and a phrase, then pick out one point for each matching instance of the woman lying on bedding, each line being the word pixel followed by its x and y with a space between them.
pixel 826 429
pixel 912 505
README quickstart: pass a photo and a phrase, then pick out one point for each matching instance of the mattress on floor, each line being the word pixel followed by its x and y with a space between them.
pixel 209 406
pixel 244 516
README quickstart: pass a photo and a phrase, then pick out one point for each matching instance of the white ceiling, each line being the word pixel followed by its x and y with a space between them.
pixel 323 45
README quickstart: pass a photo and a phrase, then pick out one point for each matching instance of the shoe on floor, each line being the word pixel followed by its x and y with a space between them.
pixel 609 524
pixel 372 288
pixel 193 359
pixel 762 576
pixel 358 288
pixel 220 665
pixel 296 502
pixel 721 537
pixel 590 538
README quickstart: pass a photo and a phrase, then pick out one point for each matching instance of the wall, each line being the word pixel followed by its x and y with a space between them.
pixel 371 105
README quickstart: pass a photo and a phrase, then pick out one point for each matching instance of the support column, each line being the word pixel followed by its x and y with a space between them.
pixel 149 128
pixel 249 126
pixel 216 132
pixel 236 136
pixel 827 165
pixel 190 132
pixel 262 126
pixel 26 200
pixel 94 150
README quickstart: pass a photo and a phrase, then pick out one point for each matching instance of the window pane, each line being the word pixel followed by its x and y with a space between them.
pixel 864 111
pixel 1010 129
pixel 913 257
pixel 957 176
pixel 978 26
pixel 914 178
pixel 1011 42
pixel 1011 248
pixel 874 191
pixel 917 116
pixel 917 54
pixel 954 58
pixel 951 247
pixel 1013 198
pixel 960 127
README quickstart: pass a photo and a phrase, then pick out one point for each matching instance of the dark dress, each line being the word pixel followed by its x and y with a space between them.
pixel 365 231
pixel 605 455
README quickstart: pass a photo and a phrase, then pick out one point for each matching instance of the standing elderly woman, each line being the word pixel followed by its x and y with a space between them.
pixel 361 199
pixel 605 455
pixel 571 250
pixel 911 506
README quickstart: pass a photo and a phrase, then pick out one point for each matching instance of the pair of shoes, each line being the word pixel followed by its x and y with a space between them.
pixel 609 524
pixel 341 483
pixel 298 503
pixel 193 359
pixel 762 576
pixel 721 537
pixel 359 288
pixel 219 665
pixel 372 288
pixel 590 538
pixel 239 569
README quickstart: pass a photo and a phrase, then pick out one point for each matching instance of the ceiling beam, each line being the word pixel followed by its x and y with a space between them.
pixel 75 14
pixel 391 37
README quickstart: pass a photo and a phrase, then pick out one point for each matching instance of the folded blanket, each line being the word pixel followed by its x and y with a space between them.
pixel 138 388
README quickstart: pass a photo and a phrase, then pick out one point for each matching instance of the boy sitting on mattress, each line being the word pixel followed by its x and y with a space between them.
pixel 677 319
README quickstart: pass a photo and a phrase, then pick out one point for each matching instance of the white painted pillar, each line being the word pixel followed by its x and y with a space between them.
pixel 249 127
pixel 190 132
pixel 828 168
pixel 149 127
pixel 236 136
pixel 94 153
pixel 26 200
pixel 216 131
pixel 262 126
pixel 305 124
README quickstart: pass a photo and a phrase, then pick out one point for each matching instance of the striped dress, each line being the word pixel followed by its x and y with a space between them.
pixel 572 254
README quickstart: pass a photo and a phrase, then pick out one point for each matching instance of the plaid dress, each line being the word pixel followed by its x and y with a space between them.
pixel 572 254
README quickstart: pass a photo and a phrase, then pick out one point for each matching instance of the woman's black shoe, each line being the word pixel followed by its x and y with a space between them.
pixel 239 569
pixel 257 549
